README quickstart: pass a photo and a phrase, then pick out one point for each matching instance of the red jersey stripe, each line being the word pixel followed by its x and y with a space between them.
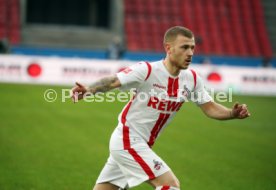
pixel 149 70
pixel 166 187
pixel 170 86
pixel 125 128
pixel 126 137
pixel 175 87
pixel 157 127
pixel 164 121
pixel 142 163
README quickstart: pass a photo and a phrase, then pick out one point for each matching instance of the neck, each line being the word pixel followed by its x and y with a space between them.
pixel 173 70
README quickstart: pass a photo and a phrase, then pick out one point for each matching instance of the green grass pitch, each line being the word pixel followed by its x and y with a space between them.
pixel 63 146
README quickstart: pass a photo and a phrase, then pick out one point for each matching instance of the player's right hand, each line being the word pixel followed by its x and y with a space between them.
pixel 78 92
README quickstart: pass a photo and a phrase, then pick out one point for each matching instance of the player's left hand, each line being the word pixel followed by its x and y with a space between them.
pixel 240 111
pixel 78 92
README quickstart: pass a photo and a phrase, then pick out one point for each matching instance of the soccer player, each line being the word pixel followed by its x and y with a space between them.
pixel 167 84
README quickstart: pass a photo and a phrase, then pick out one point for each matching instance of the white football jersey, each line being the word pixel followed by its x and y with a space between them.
pixel 158 97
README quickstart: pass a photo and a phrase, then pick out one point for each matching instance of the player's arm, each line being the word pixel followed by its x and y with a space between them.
pixel 220 112
pixel 134 74
pixel 103 85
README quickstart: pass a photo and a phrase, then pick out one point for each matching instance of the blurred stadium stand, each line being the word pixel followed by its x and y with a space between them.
pixel 224 27
pixel 10 20
pixel 269 16
pixel 235 32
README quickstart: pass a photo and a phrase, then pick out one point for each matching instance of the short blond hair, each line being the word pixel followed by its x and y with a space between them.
pixel 173 32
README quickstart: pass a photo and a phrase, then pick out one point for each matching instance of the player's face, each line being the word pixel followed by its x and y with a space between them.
pixel 181 51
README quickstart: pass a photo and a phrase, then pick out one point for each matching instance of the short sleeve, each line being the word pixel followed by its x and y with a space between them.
pixel 201 96
pixel 133 76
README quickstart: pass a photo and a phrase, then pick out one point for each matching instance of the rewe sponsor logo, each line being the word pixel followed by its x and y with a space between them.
pixel 164 105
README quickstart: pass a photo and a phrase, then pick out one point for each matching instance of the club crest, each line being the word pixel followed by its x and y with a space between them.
pixel 157 164
pixel 186 92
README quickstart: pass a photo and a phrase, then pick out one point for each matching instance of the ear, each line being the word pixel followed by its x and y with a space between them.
pixel 167 47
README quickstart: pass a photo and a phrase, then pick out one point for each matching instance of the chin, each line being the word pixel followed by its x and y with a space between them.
pixel 185 67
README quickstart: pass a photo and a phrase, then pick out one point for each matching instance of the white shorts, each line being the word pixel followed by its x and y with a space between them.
pixel 129 168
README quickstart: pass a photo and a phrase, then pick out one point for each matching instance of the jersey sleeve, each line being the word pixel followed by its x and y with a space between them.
pixel 133 76
pixel 201 96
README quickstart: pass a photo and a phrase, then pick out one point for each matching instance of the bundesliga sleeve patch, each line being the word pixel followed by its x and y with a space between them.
pixel 127 70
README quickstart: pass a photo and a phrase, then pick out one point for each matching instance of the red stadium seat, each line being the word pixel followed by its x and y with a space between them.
pixel 262 35
pixel 10 20
pixel 221 27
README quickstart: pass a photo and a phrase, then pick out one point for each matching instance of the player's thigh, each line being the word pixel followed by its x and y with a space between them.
pixel 105 186
pixel 167 178
pixel 139 164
